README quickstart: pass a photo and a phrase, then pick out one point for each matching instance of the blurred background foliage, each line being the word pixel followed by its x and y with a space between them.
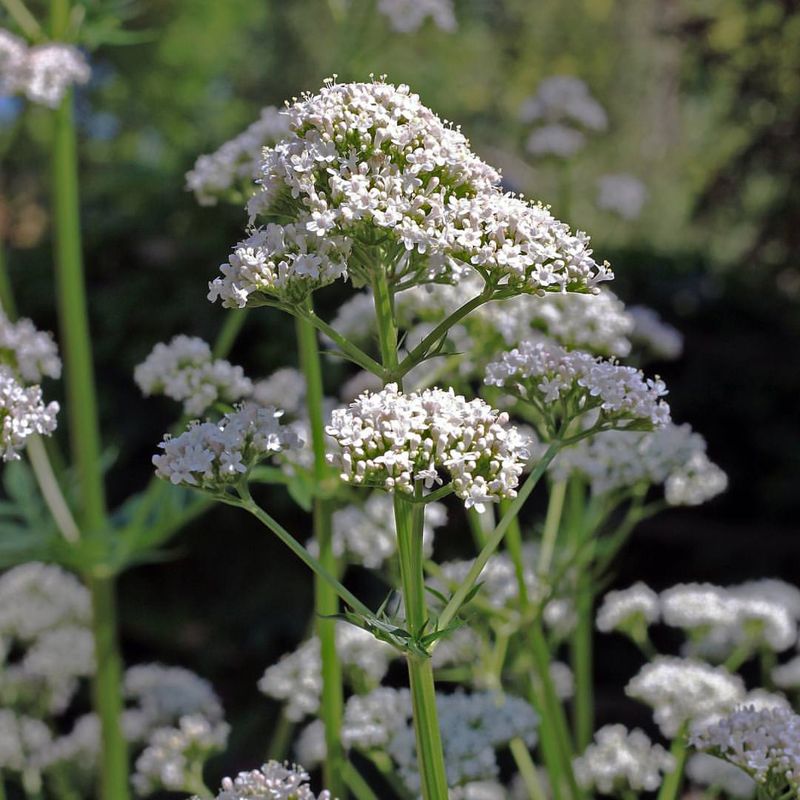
pixel 703 99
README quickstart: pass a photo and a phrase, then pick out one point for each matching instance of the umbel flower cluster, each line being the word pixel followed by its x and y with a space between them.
pixel 22 414
pixel 386 185
pixel 765 743
pixel 185 370
pixel 33 354
pixel 42 73
pixel 673 456
pixel 404 442
pixel 211 455
pixel 563 384
pixel 274 781
pixel 407 16
pixel 231 171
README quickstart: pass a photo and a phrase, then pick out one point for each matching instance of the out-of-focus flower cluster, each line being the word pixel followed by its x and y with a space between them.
pixel 402 441
pixel 42 73
pixel 407 16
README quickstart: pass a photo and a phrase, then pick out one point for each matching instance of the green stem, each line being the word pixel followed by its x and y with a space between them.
pixel 552 708
pixel 419 353
pixel 2 787
pixel 326 602
pixel 430 755
pixel 552 521
pixel 387 330
pixel 51 491
pixel 73 311
pixel 670 788
pixel 514 544
pixel 476 525
pixel 527 770
pixel 262 516
pixel 6 292
pixel 26 21
pixel 234 321
pixel 106 689
pixel 454 606
pixel 281 738
pixel 356 783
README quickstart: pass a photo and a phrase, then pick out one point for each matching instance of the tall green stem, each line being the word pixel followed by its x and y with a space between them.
pixel 230 330
pixel 6 293
pixel 84 427
pixel 430 755
pixel 106 690
pixel 671 787
pixel 384 311
pixel 326 602
pixel 552 521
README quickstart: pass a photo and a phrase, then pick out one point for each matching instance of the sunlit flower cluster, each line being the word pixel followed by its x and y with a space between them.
pixel 22 414
pixel 620 760
pixel 296 679
pixel 174 756
pixel 684 690
pixel 553 379
pixel 473 726
pixel 407 16
pixel 231 171
pixel 210 455
pixel 273 781
pixel 765 743
pixel 186 371
pixel 628 610
pixel 43 73
pixel 403 441
pixel 673 456
pixel 31 353
pixel 279 261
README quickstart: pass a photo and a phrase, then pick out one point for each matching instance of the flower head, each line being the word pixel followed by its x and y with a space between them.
pixel 210 455
pixel 185 370
pixel 52 69
pixel 31 353
pixel 22 414
pixel 402 441
pixel 233 169
pixel 273 781
pixel 553 379
pixel 621 194
pixel 628 610
pixel 407 16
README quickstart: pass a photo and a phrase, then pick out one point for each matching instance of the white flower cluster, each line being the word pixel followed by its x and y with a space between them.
pixel 283 261
pixel 44 617
pixel 173 756
pixel 673 456
pixel 787 676
pixel 22 741
pixel 296 679
pixel 186 371
pixel 367 170
pixel 621 194
pixel 43 73
pixel 397 441
pixel 765 743
pixel 285 388
pixel 657 338
pixel 210 455
pixel 366 534
pixel 31 353
pixel 684 690
pixel 22 414
pixel 162 695
pixel 274 781
pixel 705 770
pixel 620 760
pixel 231 171
pixel 722 618
pixel 561 109
pixel 545 373
pixel 628 609
pixel 407 16
pixel 474 726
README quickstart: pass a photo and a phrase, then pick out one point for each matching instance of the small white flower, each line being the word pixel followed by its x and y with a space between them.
pixel 22 414
pixel 273 781
pixel 626 609
pixel 52 69
pixel 621 194
pixel 407 16
pixel 564 98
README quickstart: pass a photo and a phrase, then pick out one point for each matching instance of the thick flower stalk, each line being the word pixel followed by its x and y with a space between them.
pixel 408 442
pixel 562 386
